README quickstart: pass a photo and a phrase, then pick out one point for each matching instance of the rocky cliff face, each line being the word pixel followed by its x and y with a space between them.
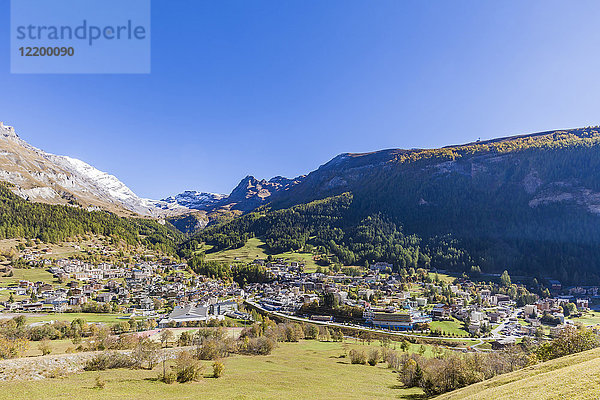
pixel 251 193
pixel 537 171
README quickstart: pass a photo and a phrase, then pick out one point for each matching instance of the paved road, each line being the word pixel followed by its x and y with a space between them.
pixel 362 328
pixel 496 332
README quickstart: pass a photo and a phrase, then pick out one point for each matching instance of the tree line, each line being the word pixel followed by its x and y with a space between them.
pixel 55 223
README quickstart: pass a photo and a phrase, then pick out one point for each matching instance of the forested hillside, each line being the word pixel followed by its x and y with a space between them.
pixel 529 204
pixel 54 223
pixel 331 227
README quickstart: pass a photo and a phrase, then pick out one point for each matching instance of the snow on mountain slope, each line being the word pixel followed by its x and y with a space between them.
pixel 107 182
pixel 108 186
pixel 195 200
pixel 44 177
pixel 41 176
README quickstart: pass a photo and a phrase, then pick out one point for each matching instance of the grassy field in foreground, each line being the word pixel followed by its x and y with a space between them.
pixel 255 248
pixel 572 377
pixel 57 346
pixel 305 370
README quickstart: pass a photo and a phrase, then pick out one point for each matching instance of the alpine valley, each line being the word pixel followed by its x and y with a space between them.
pixel 528 204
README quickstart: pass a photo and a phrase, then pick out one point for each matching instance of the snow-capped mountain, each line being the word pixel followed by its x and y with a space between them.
pixel 249 194
pixel 194 200
pixel 40 176
pixel 50 178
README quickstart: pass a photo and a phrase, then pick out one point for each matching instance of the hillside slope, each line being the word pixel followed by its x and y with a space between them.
pixel 544 169
pixel 48 178
pixel 529 204
pixel 20 218
pixel 573 377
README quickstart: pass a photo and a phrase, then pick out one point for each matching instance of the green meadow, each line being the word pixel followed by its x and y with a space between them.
pixel 452 327
pixel 255 248
pixel 304 370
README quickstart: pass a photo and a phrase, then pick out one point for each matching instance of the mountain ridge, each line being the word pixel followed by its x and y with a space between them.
pixel 529 204
pixel 56 179
pixel 45 177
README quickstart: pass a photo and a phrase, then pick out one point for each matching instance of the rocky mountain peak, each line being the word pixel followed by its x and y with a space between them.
pixel 7 132
pixel 195 200
pixel 41 176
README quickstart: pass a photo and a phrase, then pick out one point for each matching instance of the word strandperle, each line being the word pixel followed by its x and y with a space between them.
pixel 87 32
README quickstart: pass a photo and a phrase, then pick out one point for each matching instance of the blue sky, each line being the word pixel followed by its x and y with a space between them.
pixel 280 87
